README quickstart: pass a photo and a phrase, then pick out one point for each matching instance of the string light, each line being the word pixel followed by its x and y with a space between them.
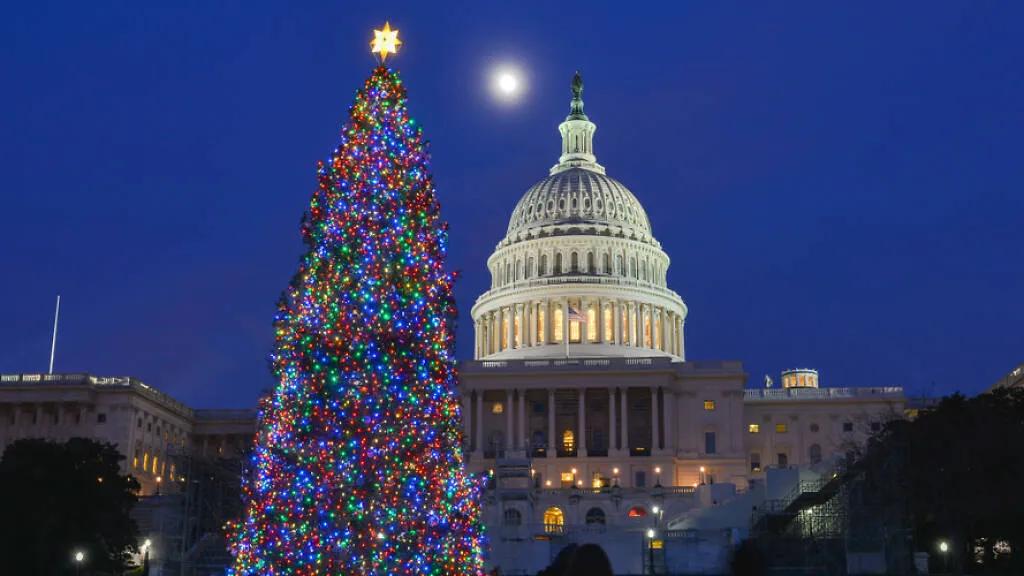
pixel 358 466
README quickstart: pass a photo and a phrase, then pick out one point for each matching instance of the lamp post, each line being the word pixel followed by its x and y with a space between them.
pixel 146 546
pixel 650 549
pixel 701 477
pixel 944 551
pixel 657 475
pixel 79 558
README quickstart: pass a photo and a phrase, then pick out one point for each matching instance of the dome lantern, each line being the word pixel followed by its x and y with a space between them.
pixel 577 135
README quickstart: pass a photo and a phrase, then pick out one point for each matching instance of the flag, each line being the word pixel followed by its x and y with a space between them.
pixel 574 314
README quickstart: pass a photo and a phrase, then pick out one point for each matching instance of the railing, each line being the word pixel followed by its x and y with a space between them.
pixel 822 393
pixel 95 381
pixel 653 362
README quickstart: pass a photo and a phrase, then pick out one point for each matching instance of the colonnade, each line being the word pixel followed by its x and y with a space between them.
pixel 516 432
pixel 607 321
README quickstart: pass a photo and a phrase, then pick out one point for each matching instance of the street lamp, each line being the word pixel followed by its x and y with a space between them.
pixel 657 473
pixel 146 546
pixel 702 475
pixel 944 549
pixel 79 558
pixel 650 549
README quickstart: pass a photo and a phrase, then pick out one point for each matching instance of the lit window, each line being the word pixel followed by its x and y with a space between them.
pixel 497 408
pixel 155 467
pixel 574 325
pixel 145 461
pixel 504 329
pixel 592 323
pixel 709 405
pixel 556 325
pixel 609 327
pixel 754 428
pixel 657 543
pixel 567 479
pixel 554 519
pixel 540 324
pixel 568 441
pixel 755 462
pixel 781 428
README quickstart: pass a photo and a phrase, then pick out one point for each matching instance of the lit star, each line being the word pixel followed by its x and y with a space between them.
pixel 385 42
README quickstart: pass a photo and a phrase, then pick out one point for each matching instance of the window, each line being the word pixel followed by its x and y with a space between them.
pixel 145 461
pixel 568 441
pixel 847 426
pixel 513 517
pixel 709 442
pixel 557 328
pixel 754 428
pixel 595 516
pixel 814 428
pixel 139 425
pixel 709 405
pixel 637 512
pixel 814 453
pixel 156 468
pixel 783 460
pixel 558 264
pixel 554 519
pixel 781 428
pixel 540 324
pixel 567 479
pixel 640 479
pixel 592 323
pixel 497 408
pixel 609 326
pixel 574 325
pixel 504 328
pixel 101 418
pixel 755 462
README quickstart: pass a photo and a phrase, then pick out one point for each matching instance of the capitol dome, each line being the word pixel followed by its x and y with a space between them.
pixel 579 197
pixel 579 272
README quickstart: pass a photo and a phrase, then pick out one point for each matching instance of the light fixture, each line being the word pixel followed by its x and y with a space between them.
pixel 650 532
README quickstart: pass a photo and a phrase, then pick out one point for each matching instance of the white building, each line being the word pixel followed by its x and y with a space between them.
pixel 581 402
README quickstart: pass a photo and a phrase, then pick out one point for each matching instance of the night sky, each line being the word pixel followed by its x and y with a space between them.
pixel 839 185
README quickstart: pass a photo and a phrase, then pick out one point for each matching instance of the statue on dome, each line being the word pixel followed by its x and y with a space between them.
pixel 576 110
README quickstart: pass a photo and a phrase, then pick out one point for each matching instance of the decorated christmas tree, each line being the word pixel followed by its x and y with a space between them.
pixel 358 465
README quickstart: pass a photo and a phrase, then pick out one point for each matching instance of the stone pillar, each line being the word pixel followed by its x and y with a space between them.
pixel 565 320
pixel 616 322
pixel 523 435
pixel 510 431
pixel 611 422
pixel 655 419
pixel 479 421
pixel 624 440
pixel 552 449
pixel 531 324
pixel 581 437
pixel 511 330
pixel 669 412
pixel 682 340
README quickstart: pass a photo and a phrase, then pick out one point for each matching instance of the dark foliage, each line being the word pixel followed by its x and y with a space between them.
pixel 955 473
pixel 57 498
pixel 747 560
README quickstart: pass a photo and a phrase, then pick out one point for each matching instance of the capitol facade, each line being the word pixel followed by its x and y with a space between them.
pixel 587 417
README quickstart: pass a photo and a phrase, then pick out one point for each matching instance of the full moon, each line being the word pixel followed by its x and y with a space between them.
pixel 507 83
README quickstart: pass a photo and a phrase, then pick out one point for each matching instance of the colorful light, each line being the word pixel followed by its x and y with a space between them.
pixel 358 464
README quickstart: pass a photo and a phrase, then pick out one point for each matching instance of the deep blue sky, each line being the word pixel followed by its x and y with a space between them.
pixel 839 185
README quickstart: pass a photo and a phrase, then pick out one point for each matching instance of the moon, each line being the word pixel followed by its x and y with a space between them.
pixel 507 83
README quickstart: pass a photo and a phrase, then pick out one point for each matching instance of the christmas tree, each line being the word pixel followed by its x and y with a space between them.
pixel 358 463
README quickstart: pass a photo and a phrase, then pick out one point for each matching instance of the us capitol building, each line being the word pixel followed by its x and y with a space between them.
pixel 580 404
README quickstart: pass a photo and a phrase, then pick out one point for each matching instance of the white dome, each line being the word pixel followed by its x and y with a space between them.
pixel 581 197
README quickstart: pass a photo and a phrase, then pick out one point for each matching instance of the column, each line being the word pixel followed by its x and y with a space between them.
pixel 510 312
pixel 611 422
pixel 510 432
pixel 655 419
pixel 669 412
pixel 682 340
pixel 531 325
pixel 552 449
pixel 523 434
pixel 616 322
pixel 581 436
pixel 478 446
pixel 624 440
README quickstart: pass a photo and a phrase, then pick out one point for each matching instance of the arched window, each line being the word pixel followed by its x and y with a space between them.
pixel 632 268
pixel 508 272
pixel 557 325
pixel 643 270
pixel 574 262
pixel 543 265
pixel 554 519
pixel 529 266
pixel 513 517
pixel 618 265
pixel 814 453
pixel 590 263
pixel 558 264
pixel 607 263
pixel 595 516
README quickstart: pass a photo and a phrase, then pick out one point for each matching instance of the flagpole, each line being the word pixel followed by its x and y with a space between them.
pixel 53 343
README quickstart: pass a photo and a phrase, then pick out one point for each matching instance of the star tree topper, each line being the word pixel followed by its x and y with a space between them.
pixel 385 42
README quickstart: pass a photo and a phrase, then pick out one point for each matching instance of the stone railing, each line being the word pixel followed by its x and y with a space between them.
pixel 769 394
pixel 656 362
